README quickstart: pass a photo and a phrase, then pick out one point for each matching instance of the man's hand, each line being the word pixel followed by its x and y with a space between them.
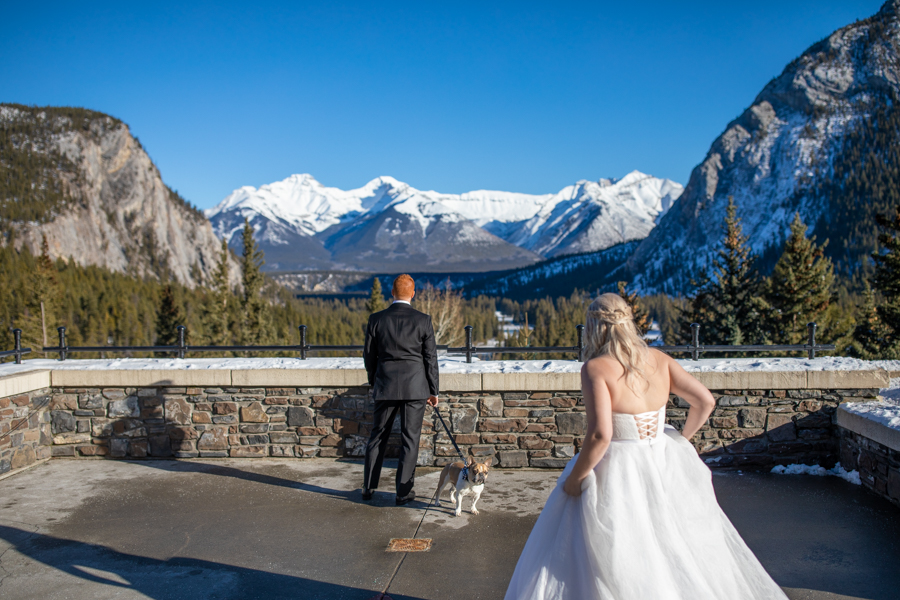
pixel 432 400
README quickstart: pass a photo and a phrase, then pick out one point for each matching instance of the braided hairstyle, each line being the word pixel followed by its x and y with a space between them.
pixel 610 329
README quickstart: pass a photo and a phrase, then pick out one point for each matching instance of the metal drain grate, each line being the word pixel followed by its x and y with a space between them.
pixel 409 545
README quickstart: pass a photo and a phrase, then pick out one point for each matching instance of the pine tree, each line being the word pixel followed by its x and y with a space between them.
pixel 730 308
pixel 887 270
pixel 641 316
pixel 255 323
pixel 42 305
pixel 870 337
pixel 800 286
pixel 215 310
pixel 376 301
pixel 168 317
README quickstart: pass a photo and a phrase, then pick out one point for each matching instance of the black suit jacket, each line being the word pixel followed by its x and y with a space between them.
pixel 400 354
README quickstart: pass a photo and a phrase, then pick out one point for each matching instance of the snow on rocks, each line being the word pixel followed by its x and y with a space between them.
pixel 836 471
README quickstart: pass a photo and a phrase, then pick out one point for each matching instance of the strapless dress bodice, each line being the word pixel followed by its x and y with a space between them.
pixel 642 427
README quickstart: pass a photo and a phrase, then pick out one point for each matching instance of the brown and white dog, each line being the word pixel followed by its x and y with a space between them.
pixel 467 480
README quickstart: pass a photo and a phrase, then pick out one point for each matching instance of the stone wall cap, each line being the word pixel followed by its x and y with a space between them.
pixel 878 421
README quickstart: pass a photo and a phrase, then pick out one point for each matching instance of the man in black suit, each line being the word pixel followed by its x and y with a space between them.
pixel 401 362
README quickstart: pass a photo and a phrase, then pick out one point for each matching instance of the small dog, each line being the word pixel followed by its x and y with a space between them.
pixel 466 480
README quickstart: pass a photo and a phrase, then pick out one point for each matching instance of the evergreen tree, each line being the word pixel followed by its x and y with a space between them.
pixel 871 336
pixel 376 301
pixel 42 306
pixel 800 286
pixel 887 269
pixel 168 317
pixel 216 309
pixel 255 321
pixel 730 308
pixel 641 316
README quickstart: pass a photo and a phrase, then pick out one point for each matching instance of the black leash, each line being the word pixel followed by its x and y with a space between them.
pixel 447 429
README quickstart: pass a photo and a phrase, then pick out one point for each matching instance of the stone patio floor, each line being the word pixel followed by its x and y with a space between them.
pixel 232 529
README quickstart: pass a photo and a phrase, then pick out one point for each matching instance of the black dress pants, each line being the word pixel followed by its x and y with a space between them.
pixel 411 414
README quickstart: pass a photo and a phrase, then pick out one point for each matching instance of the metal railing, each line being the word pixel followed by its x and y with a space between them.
pixel 181 349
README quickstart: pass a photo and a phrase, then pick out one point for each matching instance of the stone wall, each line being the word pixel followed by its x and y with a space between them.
pixel 749 428
pixel 24 430
pixel 878 465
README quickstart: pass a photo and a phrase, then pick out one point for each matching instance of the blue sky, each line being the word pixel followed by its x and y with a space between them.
pixel 525 97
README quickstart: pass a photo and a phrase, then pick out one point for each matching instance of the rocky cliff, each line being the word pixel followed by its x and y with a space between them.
pixel 82 180
pixel 789 152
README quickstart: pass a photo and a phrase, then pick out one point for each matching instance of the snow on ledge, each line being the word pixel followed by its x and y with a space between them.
pixel 447 364
pixel 837 471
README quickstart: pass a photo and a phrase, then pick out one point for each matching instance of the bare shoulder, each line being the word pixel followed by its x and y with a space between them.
pixel 602 367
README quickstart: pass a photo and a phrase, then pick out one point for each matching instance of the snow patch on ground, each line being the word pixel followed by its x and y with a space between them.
pixel 836 471
pixel 891 394
pixel 450 364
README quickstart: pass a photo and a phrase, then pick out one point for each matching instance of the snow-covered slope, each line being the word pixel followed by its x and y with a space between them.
pixel 302 224
pixel 773 157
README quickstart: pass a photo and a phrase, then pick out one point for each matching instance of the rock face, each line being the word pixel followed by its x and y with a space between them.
pixel 771 158
pixel 120 214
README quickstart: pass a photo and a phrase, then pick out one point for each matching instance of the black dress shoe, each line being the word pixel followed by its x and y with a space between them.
pixel 367 494
pixel 406 499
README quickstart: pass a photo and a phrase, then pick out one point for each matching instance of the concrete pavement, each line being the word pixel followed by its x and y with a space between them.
pixel 232 529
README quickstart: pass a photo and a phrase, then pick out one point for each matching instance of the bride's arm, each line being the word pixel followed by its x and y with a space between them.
pixel 598 408
pixel 685 386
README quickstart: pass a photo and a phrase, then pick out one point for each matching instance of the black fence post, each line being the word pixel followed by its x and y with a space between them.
pixel 579 330
pixel 811 339
pixel 62 343
pixel 302 342
pixel 695 341
pixel 468 343
pixel 181 346
pixel 17 345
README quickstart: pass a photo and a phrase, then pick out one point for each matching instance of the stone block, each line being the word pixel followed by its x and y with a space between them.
pixel 93 450
pixel 540 428
pixel 118 448
pixel 201 417
pixel 565 402
pixel 160 445
pixel 502 425
pixel 300 416
pixel 723 422
pixel 752 417
pixel 22 383
pixel 533 442
pixel 22 458
pixel 72 438
pixel 257 439
pixel 491 406
pixel 515 412
pixel 225 408
pixel 573 423
pixel 819 420
pixel 330 440
pixel 843 380
pixel 482 451
pixel 248 452
pixel 531 382
pixel 539 413
pixel 126 407
pixel 513 459
pixel 563 451
pixel 90 401
pixel 254 413
pixel 463 420
pixel 214 438
pixel 62 451
pixel 62 421
pixel 224 419
pixel 498 438
pixel 281 451
pixel 738 434
pixel 467 438
pixel 139 449
pixel 61 402
pixel 178 410
pixel 283 437
pixel 780 428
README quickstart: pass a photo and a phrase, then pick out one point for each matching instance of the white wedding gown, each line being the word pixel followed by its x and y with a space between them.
pixel 647 527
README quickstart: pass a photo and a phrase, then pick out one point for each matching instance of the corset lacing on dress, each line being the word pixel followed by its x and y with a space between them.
pixel 644 427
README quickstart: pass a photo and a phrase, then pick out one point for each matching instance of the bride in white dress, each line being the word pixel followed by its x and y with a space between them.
pixel 634 515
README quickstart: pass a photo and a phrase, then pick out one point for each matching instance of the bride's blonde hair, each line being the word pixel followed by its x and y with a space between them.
pixel 610 329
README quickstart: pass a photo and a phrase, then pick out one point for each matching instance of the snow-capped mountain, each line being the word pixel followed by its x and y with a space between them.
pixel 302 224
pixel 778 157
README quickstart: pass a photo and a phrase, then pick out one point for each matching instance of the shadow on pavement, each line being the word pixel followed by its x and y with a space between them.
pixel 172 466
pixel 175 578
